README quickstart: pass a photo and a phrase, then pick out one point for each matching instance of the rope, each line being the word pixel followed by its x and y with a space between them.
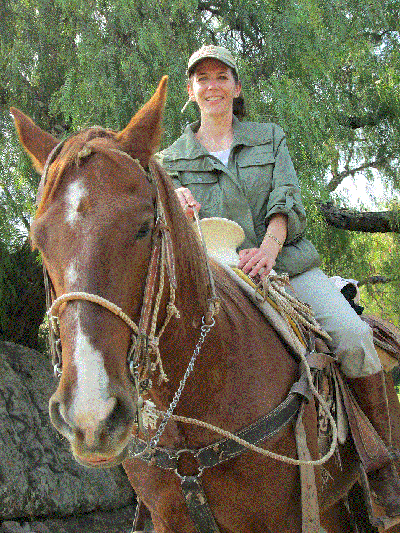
pixel 290 305
pixel 283 458
pixel 95 299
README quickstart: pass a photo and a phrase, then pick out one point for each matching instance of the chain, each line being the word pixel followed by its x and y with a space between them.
pixel 205 328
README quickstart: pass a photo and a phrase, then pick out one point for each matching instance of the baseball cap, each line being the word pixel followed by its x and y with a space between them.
pixel 212 52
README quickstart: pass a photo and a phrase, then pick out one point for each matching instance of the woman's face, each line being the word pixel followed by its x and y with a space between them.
pixel 213 87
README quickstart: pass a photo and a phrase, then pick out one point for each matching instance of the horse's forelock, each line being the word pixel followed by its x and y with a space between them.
pixel 70 156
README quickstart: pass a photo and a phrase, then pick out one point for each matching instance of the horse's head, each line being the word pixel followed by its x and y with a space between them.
pixel 94 225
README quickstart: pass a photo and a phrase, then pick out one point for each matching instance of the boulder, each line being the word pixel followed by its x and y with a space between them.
pixel 118 521
pixel 38 475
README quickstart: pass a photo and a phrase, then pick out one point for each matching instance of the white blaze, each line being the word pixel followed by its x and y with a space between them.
pixel 75 192
pixel 71 274
pixel 91 403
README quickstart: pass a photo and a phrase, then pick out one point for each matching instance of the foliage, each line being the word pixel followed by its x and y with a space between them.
pixel 22 299
pixel 327 71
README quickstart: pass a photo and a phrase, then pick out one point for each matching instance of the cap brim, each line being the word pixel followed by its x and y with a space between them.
pixel 190 70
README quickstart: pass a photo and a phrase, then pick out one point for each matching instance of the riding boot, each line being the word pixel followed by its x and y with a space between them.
pixel 370 392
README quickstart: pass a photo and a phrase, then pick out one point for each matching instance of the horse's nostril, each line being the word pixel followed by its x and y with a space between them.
pixel 120 415
pixel 57 418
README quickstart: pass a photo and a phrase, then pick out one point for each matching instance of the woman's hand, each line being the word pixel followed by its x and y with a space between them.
pixel 252 260
pixel 187 201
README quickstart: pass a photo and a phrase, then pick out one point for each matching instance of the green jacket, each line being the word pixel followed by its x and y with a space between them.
pixel 258 181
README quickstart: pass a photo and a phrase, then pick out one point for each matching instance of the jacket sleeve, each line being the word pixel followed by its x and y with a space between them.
pixel 285 197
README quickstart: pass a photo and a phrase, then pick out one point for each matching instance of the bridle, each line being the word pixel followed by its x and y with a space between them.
pixel 143 356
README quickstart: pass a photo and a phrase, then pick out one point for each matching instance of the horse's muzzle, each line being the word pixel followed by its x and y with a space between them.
pixel 95 441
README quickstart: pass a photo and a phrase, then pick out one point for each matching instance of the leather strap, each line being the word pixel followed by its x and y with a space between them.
pixel 225 449
pixel 309 494
pixel 197 505
pixel 150 285
pixel 370 447
pixel 169 254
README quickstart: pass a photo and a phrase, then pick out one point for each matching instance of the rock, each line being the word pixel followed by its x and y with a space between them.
pixel 118 521
pixel 38 475
pixel 11 527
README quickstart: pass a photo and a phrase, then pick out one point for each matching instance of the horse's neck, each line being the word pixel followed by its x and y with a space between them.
pixel 241 372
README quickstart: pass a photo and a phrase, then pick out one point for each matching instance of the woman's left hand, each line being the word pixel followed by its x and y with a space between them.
pixel 252 260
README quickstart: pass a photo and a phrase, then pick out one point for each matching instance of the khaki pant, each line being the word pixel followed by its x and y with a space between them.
pixel 352 339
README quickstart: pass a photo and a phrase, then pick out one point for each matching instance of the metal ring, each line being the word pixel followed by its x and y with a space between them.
pixel 193 456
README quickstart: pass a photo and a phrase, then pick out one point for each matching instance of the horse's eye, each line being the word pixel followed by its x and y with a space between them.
pixel 143 231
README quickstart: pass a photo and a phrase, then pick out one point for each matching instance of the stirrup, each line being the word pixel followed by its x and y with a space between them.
pixel 376 513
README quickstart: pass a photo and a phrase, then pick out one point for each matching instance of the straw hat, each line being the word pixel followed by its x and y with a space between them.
pixel 222 237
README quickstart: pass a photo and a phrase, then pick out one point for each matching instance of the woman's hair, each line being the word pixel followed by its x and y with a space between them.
pixel 239 106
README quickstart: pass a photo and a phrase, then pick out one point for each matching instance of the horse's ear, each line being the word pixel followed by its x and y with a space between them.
pixel 141 138
pixel 36 142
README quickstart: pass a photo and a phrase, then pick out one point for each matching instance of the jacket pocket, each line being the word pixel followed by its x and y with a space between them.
pixel 206 190
pixel 256 156
pixel 198 178
pixel 256 168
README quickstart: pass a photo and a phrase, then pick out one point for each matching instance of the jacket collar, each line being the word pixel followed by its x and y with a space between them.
pixel 187 147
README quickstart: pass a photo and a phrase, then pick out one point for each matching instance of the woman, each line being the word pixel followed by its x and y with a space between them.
pixel 242 171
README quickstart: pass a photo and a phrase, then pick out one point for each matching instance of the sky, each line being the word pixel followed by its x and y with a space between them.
pixel 362 194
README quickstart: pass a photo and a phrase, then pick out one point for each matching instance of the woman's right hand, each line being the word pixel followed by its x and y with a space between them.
pixel 187 201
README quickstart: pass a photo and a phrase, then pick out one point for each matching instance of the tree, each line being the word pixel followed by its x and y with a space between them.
pixel 327 72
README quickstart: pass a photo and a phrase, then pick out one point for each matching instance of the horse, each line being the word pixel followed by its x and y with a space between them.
pixel 139 318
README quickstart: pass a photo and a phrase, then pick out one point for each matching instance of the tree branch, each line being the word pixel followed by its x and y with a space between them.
pixel 374 280
pixel 368 222
pixel 339 177
pixel 372 118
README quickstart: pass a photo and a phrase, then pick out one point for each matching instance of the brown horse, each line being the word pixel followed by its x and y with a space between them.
pixel 102 219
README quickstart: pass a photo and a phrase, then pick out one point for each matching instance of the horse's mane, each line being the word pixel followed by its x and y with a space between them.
pixel 191 258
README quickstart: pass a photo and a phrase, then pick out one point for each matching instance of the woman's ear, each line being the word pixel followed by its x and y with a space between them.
pixel 190 92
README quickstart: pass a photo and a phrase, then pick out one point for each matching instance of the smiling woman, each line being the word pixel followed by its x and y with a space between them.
pixel 213 87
